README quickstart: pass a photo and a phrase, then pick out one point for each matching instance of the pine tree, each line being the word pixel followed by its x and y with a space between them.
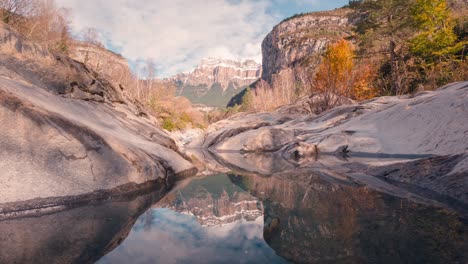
pixel 247 101
pixel 437 39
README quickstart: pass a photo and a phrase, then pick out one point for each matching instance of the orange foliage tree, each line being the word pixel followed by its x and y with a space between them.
pixel 337 78
pixel 362 86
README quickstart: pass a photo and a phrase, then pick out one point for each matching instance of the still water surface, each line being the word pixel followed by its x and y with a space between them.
pixel 251 219
pixel 208 220
pixel 231 218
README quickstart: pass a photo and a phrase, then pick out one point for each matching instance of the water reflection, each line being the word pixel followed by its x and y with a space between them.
pixel 179 238
pixel 209 220
pixel 309 219
pixel 78 235
pixel 295 217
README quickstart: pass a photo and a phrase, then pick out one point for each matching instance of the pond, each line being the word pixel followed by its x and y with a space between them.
pixel 235 218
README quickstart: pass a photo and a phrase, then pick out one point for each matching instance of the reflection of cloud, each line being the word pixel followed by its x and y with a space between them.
pixel 250 228
pixel 179 238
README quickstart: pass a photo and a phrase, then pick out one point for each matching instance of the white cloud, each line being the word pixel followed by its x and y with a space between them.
pixel 177 34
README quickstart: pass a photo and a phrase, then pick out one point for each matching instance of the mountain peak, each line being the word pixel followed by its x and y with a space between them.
pixel 218 73
pixel 248 65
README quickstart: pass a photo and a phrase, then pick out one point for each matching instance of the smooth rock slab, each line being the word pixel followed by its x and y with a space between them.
pixel 54 143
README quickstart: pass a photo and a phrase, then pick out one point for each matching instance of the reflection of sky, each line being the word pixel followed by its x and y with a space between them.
pixel 165 236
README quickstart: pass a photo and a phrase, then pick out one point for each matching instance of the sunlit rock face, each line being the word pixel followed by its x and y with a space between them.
pixel 309 219
pixel 298 43
pixel 358 138
pixel 69 131
pixel 106 62
pixel 214 201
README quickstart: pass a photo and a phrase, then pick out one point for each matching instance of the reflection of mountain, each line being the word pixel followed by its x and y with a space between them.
pixel 79 235
pixel 214 200
pixel 172 237
pixel 204 220
pixel 310 220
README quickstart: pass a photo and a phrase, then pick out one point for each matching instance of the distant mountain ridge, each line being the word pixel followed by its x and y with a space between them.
pixel 214 81
pixel 221 71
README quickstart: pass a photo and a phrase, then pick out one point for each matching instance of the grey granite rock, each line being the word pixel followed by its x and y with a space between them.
pixel 67 131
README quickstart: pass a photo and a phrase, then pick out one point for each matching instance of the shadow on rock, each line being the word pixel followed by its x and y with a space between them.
pixel 79 235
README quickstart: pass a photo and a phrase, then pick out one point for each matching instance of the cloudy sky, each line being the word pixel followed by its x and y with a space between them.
pixel 177 34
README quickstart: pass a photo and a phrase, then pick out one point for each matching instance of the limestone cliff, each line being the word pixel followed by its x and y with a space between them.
pixel 224 72
pixel 299 41
pixel 292 50
pixel 214 81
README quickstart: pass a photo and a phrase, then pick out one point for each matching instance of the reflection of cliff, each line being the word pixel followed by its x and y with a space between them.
pixel 79 235
pixel 310 220
pixel 214 200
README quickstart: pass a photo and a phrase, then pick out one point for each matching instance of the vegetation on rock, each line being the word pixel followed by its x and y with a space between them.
pixel 41 22
pixel 395 47
pixel 416 45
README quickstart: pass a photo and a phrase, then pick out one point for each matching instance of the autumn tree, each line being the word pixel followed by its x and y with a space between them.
pixel 363 87
pixel 383 27
pixel 339 77
pixel 334 78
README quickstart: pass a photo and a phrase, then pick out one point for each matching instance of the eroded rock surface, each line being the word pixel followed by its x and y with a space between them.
pixel 350 139
pixel 68 131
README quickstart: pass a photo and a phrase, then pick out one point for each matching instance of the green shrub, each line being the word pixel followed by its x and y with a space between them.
pixel 186 118
pixel 169 124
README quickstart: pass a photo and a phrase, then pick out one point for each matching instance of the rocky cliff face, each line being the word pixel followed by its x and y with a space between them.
pixel 106 62
pixel 223 72
pixel 291 51
pixel 215 81
pixel 69 134
pixel 299 41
